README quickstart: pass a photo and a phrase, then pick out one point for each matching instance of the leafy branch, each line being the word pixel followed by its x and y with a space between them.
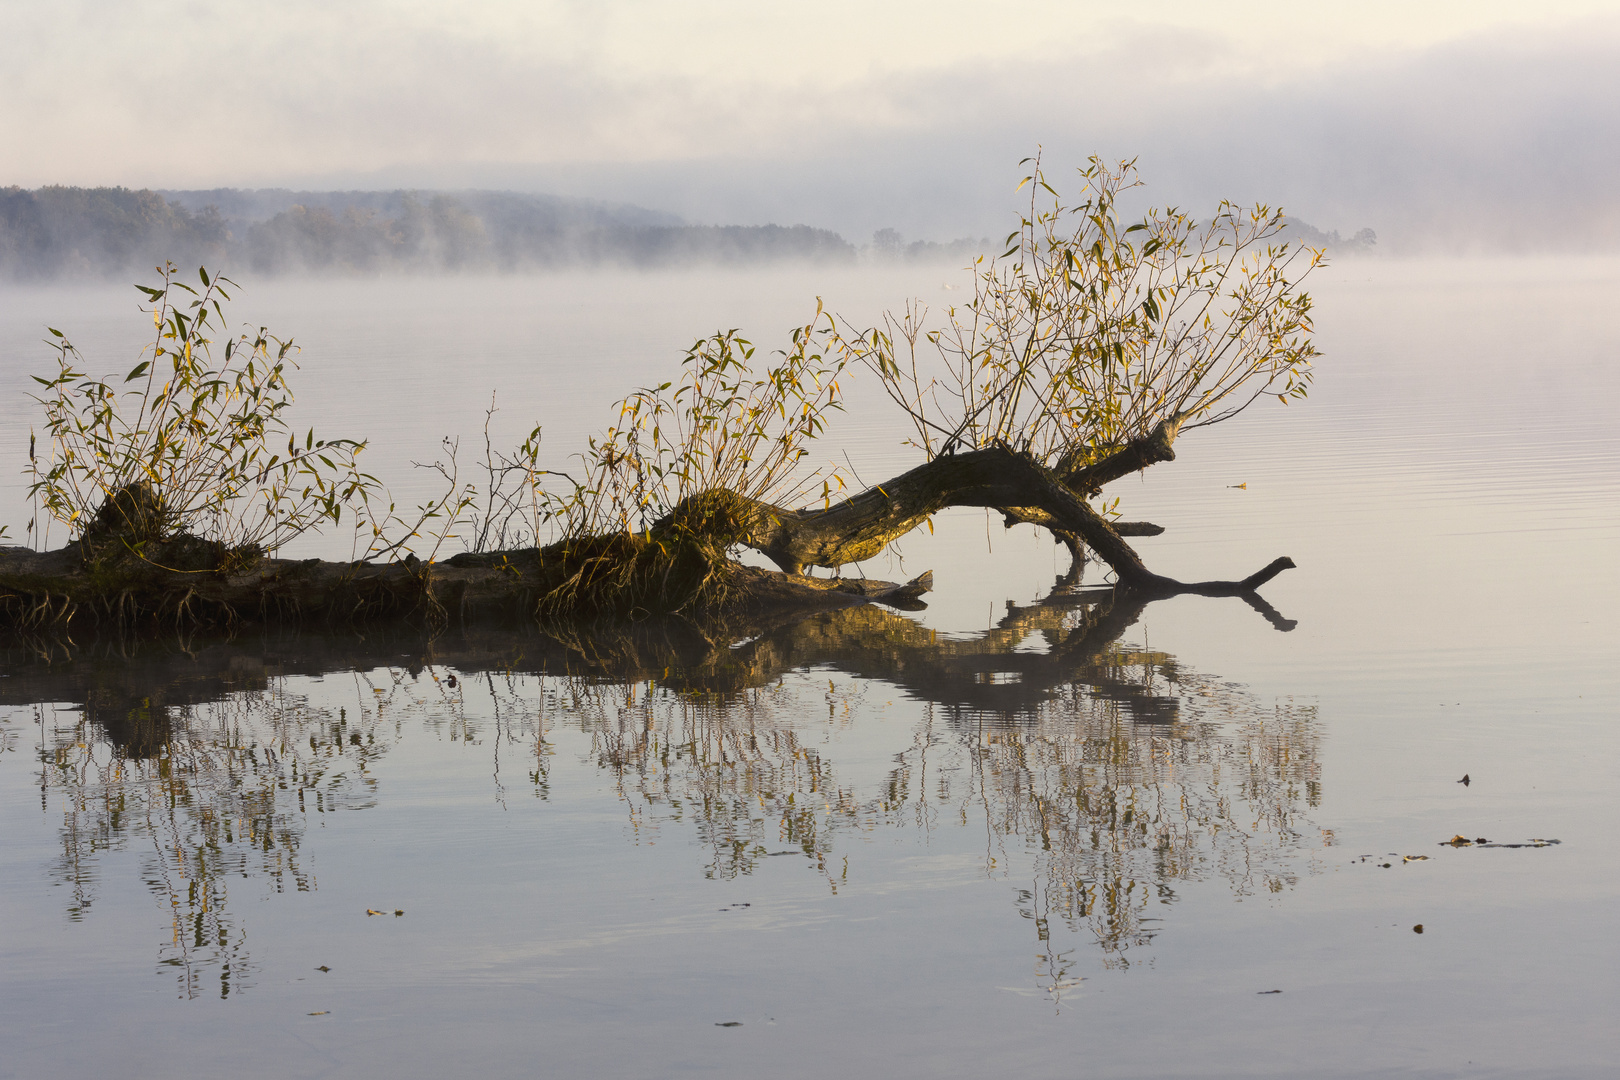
pixel 195 444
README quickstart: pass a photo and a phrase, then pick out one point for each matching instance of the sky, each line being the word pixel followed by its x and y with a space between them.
pixel 1436 123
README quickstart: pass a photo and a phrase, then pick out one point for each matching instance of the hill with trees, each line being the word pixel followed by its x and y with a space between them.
pixel 53 233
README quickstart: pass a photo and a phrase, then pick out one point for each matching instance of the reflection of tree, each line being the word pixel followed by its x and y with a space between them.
pixel 1120 811
pixel 221 797
pixel 734 765
pixel 1123 772
pixel 1117 772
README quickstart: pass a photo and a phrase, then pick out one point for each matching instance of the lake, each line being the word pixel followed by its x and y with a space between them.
pixel 1019 831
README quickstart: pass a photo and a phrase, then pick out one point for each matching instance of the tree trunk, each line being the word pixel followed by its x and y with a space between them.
pixel 999 478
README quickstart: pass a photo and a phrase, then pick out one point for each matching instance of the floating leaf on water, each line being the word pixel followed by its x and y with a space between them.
pixel 729 1023
pixel 1269 991
pixel 1418 929
pixel 323 1012
pixel 323 967
pixel 1415 858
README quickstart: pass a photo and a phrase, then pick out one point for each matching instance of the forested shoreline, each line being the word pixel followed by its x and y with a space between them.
pixel 57 233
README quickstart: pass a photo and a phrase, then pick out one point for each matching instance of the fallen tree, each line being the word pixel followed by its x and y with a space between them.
pixel 999 478
pixel 1082 357
pixel 1085 353
pixel 182 583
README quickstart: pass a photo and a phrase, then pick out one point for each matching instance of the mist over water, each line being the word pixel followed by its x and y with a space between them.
pixel 1463 128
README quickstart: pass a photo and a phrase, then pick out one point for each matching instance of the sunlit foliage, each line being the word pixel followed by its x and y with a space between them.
pixel 1087 332
pixel 191 435
pixel 724 425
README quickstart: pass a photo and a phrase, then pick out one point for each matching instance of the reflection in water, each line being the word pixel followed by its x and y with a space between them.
pixel 1115 772
pixel 1122 772
pixel 206 795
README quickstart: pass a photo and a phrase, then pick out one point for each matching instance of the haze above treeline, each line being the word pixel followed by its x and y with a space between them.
pixel 1450 127
pixel 56 232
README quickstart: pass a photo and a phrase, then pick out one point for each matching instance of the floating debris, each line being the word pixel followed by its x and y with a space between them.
pixel 1464 781
pixel 1462 841
pixel 323 1012
pixel 729 1023
pixel 1414 858
pixel 1418 929
pixel 1269 991
pixel 323 967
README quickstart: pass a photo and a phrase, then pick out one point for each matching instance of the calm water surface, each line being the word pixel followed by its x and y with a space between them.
pixel 1017 832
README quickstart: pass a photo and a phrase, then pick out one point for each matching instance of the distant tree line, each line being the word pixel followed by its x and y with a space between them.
pixel 55 232
pixel 64 232
pixel 1359 241
pixel 69 232
pixel 889 246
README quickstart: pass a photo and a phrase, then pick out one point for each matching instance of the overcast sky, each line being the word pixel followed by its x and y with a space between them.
pixel 1431 121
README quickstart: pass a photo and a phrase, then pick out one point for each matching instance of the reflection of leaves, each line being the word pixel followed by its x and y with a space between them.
pixel 731 764
pixel 223 797
pixel 1118 810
